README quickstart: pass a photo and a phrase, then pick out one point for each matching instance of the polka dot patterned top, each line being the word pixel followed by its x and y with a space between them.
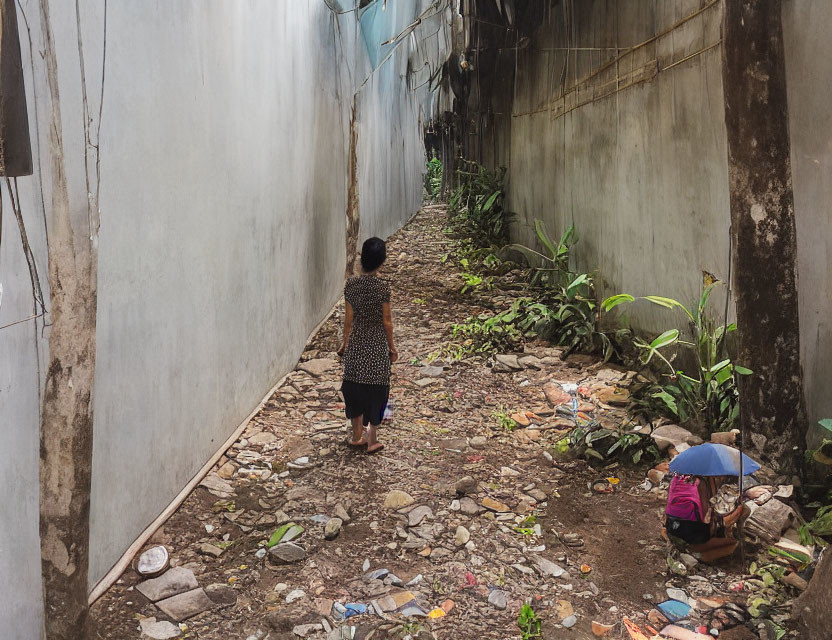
pixel 367 357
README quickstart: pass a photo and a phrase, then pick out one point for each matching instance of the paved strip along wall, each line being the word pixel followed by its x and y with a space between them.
pixel 212 139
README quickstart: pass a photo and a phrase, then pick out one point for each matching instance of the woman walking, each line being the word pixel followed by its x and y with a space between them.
pixel 368 347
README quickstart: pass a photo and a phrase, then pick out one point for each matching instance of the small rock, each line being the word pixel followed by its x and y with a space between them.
pixel 466 485
pixel 297 594
pixel 478 442
pixel 208 549
pixel 655 476
pixel 497 599
pixel 261 553
pixel 417 515
pixel 468 507
pixel 318 366
pixel 670 435
pixel 431 371
pixel 303 630
pixel 333 528
pixel 186 605
pixel 287 552
pixel 688 560
pixel 161 630
pixel 462 536
pixel 508 360
pixel 366 566
pixel 454 505
pixel 174 581
pixel 547 567
pixel 397 499
pixel 570 621
pixel 341 512
pixel 262 438
pixel 495 505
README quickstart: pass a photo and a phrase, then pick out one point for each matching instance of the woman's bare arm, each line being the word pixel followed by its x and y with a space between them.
pixel 388 329
pixel 347 327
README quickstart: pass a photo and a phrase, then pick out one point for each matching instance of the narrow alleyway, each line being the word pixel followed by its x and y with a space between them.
pixel 486 520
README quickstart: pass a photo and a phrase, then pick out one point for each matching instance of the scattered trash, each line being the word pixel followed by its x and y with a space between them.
pixel 153 562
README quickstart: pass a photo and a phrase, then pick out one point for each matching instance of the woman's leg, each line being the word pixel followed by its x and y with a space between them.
pixel 358 439
pixel 373 444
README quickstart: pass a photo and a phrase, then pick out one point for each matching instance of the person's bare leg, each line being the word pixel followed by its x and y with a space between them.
pixel 373 444
pixel 358 439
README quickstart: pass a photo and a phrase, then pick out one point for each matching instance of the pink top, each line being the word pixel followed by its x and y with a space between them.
pixel 683 500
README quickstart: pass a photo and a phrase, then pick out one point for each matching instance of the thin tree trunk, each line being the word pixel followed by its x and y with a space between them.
pixel 772 406
pixel 67 420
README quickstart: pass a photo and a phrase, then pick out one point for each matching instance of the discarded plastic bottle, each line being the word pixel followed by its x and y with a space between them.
pixel 572 389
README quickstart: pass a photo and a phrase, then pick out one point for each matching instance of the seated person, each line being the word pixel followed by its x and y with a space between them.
pixel 705 531
pixel 684 515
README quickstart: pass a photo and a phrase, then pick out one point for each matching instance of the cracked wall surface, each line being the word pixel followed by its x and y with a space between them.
pixel 206 150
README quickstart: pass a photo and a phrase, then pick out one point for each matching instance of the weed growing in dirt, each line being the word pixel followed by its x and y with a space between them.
pixel 709 397
pixel 504 421
pixel 528 622
pixel 483 334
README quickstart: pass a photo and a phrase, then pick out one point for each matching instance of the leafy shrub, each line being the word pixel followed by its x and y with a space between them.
pixel 433 177
pixel 708 398
pixel 477 206
pixel 570 317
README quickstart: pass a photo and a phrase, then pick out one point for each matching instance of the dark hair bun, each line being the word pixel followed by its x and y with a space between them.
pixel 373 254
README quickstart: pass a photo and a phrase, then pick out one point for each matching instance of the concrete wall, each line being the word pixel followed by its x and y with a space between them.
pixel 223 146
pixel 634 156
pixel 810 121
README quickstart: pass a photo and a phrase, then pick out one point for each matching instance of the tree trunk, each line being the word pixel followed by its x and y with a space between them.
pixel 772 406
pixel 67 421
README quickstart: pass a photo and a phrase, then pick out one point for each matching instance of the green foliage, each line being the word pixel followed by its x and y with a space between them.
pixel 433 177
pixel 550 266
pixel 566 311
pixel 472 281
pixel 477 206
pixel 484 334
pixel 503 419
pixel 529 623
pixel 593 441
pixel 707 398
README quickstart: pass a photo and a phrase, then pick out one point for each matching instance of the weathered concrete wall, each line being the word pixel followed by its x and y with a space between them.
pixel 634 155
pixel 224 141
pixel 810 124
pixel 20 345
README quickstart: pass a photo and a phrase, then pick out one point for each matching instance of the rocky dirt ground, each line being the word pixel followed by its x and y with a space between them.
pixel 437 523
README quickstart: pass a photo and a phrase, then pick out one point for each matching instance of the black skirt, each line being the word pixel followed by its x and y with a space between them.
pixel 367 400
pixel 691 531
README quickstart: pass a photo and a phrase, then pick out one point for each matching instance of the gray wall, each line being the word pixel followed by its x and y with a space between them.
pixel 642 172
pixel 223 153
pixel 808 69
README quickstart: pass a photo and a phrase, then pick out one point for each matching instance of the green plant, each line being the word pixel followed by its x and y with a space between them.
pixel 433 177
pixel 484 334
pixel 476 207
pixel 504 421
pixel 567 311
pixel 473 281
pixel 549 269
pixel 528 622
pixel 707 398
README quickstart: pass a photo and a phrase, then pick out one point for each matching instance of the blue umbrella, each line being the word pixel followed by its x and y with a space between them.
pixel 712 459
